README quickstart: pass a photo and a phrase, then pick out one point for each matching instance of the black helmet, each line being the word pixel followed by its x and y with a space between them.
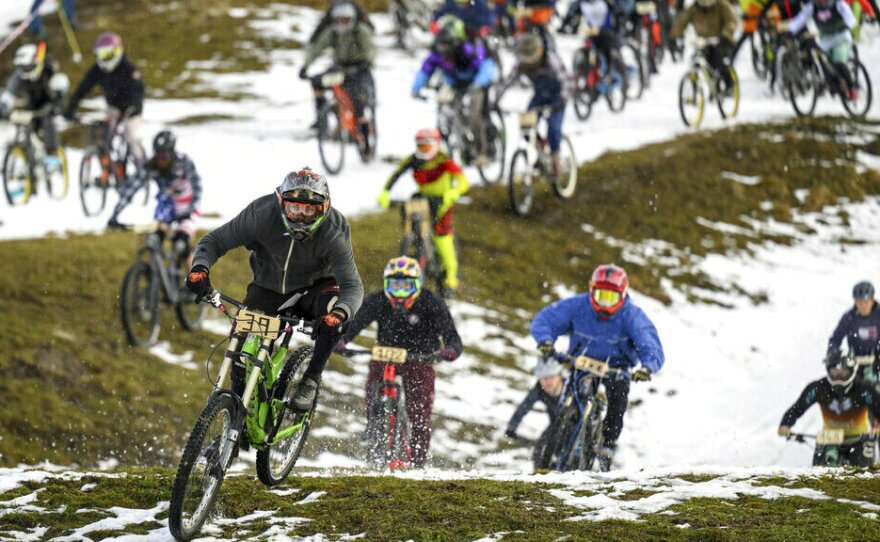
pixel 840 369
pixel 450 35
pixel 863 290
pixel 164 141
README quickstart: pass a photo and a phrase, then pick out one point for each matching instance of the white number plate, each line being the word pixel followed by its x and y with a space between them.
pixel 830 437
pixel 389 354
pixel 528 119
pixel 446 95
pixel 645 8
pixel 329 80
pixel 584 363
pixel 259 324
pixel 20 116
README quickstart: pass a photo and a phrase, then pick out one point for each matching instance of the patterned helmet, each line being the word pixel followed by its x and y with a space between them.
pixel 529 49
pixel 427 143
pixel 863 290
pixel 108 50
pixel 450 36
pixel 402 282
pixel 840 368
pixel 29 61
pixel 304 202
pixel 608 289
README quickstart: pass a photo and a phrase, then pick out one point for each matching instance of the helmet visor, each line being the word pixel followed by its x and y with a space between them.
pixel 840 373
pixel 106 53
pixel 26 68
pixel 425 147
pixel 606 298
pixel 401 287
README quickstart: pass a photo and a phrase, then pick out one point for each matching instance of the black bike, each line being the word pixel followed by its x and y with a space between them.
pixel 811 73
pixel 157 274
pixel 416 242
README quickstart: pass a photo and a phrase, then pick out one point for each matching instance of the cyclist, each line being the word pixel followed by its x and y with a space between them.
pixel 123 86
pixel 846 403
pixel 834 20
pixel 301 257
pixel 860 325
pixel 442 182
pixel 179 197
pixel 468 69
pixel 711 19
pixel 785 10
pixel 410 317
pixel 477 17
pixel 37 86
pixel 353 53
pixel 547 390
pixel 605 325
pixel 751 12
pixel 551 83
pixel 327 19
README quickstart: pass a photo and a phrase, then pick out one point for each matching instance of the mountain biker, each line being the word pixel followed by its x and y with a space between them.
pixel 605 325
pixel 751 13
pixel 551 83
pixel 180 192
pixel 476 16
pixel 785 10
pixel 327 19
pixel 409 317
pixel 711 19
pixel 860 325
pixel 123 86
pixel 547 390
pixel 834 19
pixel 442 182
pixel 33 86
pixel 468 69
pixel 301 256
pixel 353 53
pixel 599 19
pixel 846 403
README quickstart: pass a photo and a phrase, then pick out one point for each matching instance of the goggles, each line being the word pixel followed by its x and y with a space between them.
pixel 402 287
pixel 342 21
pixel 606 298
pixel 840 372
pixel 106 53
pixel 425 146
pixel 303 213
pixel 303 195
pixel 26 68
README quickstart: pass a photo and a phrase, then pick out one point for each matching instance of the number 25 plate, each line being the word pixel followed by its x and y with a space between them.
pixel 389 354
pixel 260 324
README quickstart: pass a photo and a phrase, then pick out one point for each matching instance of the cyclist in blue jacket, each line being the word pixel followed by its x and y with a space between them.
pixel 476 15
pixel 605 325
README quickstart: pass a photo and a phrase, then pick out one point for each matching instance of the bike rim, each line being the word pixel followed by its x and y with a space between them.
pixel 17 177
pixel 566 182
pixel 92 189
pixel 282 455
pixel 331 140
pixel 206 473
pixel 521 185
pixel 494 171
pixel 141 308
pixel 690 100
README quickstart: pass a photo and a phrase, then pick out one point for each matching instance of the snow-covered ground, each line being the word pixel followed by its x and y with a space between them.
pixel 730 373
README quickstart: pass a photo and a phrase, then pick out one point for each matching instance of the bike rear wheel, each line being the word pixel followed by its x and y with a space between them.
pixel 858 108
pixel 559 432
pixel 691 100
pixel 583 101
pixel 139 304
pixel 496 139
pixel 728 104
pixel 521 187
pixel 93 182
pixel 275 462
pixel 202 467
pixel 191 313
pixel 565 183
pixel 17 182
pixel 58 180
pixel 636 73
pixel 331 138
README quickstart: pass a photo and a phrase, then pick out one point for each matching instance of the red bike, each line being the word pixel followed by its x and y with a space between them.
pixel 338 124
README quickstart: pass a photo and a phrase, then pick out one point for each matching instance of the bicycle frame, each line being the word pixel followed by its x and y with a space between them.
pixel 162 264
pixel 531 141
pixel 347 113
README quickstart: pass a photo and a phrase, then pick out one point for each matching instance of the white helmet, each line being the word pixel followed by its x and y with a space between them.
pixel 29 61
pixel 344 17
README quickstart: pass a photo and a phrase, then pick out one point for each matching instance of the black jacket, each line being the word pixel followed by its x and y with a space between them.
pixel 123 88
pixel 849 412
pixel 418 330
pixel 862 332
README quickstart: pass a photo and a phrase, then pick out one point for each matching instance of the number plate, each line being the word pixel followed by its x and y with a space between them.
pixel 584 363
pixel 865 360
pixel 528 119
pixel 389 354
pixel 645 8
pixel 830 437
pixel 329 80
pixel 21 117
pixel 445 95
pixel 259 324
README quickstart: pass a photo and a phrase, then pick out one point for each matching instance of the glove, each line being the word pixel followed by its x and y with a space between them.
pixel 416 95
pixel 546 348
pixel 198 282
pixel 511 433
pixel 330 324
pixel 303 74
pixel 783 431
pixel 447 354
pixel 385 198
pixel 339 347
pixel 642 374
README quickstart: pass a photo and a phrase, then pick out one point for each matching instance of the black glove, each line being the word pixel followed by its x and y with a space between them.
pixel 511 434
pixel 198 282
pixel 303 74
pixel 330 324
pixel 642 374
pixel 546 348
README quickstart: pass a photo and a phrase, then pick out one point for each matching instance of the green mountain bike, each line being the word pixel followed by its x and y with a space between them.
pixel 261 417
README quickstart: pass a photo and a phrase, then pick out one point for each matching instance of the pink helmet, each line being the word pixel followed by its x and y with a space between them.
pixel 427 143
pixel 608 289
pixel 108 50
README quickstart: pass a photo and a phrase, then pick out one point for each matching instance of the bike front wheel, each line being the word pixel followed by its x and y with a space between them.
pixel 728 103
pixel 691 99
pixel 139 304
pixel 202 467
pixel 557 437
pixel 521 183
pixel 496 140
pixel 636 73
pixel 565 182
pixel 275 462
pixel 331 138
pixel 17 182
pixel 58 179
pixel 858 108
pixel 94 178
pixel 803 87
pixel 191 313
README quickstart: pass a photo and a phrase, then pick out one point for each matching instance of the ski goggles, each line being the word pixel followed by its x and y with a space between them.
pixel 606 298
pixel 425 146
pixel 107 53
pixel 303 213
pixel 402 287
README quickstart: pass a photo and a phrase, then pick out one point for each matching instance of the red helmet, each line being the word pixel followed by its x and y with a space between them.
pixel 608 289
pixel 427 143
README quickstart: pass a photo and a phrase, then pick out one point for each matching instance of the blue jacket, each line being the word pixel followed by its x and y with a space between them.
pixel 475 16
pixel 626 339
pixel 468 66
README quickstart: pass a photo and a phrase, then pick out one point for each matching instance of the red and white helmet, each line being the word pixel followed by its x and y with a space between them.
pixel 427 143
pixel 608 289
pixel 108 51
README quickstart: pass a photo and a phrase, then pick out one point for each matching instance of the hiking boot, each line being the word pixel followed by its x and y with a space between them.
pixel 604 457
pixel 305 395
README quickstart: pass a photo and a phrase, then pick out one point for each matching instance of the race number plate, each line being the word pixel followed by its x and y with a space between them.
pixel 19 116
pixel 830 437
pixel 259 324
pixel 585 363
pixel 528 119
pixel 445 95
pixel 330 80
pixel 389 354
pixel 418 206
pixel 865 360
pixel 645 8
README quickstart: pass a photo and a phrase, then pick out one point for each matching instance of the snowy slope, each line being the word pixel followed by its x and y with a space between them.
pixel 730 373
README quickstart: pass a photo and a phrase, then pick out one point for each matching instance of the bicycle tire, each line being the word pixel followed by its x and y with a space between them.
pixel 496 138
pixel 804 84
pixel 400 450
pixel 376 435
pixel 331 136
pixel 615 93
pixel 728 106
pixel 636 75
pixel 270 469
pixel 190 312
pixel 690 92
pixel 593 436
pixel 521 183
pixel 565 183
pixel 367 149
pixel 583 100
pixel 863 84
pixel 559 431
pixel 58 185
pixel 757 52
pixel 140 302
pixel 17 181
pixel 198 447
pixel 92 191
pixel 412 245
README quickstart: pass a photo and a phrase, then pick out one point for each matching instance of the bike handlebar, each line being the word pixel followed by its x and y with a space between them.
pixel 570 360
pixel 416 357
pixel 799 437
pixel 215 298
